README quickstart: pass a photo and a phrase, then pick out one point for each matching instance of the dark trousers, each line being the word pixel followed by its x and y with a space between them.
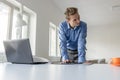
pixel 72 54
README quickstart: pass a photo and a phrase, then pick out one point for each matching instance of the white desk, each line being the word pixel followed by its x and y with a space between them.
pixel 59 72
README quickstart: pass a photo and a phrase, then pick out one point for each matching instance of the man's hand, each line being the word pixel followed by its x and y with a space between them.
pixel 67 61
pixel 88 62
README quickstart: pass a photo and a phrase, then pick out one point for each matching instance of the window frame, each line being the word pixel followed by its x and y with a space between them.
pixel 28 22
pixel 10 19
pixel 57 52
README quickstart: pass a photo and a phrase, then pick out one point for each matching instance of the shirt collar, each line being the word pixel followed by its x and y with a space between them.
pixel 70 27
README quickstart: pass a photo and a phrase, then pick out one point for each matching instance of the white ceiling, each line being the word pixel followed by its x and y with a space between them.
pixel 94 11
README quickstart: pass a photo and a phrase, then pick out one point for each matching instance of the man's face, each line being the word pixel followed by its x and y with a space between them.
pixel 74 20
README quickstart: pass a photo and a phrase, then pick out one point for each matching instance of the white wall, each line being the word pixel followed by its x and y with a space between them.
pixel 46 12
pixel 103 41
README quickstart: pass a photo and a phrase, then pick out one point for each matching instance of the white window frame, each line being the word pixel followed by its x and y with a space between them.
pixel 56 43
pixel 15 6
pixel 21 35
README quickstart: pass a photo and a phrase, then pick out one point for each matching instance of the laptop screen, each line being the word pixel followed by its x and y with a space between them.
pixel 18 51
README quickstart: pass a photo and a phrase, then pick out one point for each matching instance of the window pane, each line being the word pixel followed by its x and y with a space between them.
pixel 14 29
pixel 25 28
pixel 58 45
pixel 19 32
pixel 52 40
pixel 4 16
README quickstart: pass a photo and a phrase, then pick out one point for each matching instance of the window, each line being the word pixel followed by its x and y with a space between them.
pixel 4 18
pixel 54 50
pixel 19 32
pixel 58 45
pixel 8 29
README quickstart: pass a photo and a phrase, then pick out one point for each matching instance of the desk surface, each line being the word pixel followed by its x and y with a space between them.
pixel 59 72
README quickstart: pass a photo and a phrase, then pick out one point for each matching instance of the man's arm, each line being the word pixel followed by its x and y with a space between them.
pixel 63 43
pixel 82 44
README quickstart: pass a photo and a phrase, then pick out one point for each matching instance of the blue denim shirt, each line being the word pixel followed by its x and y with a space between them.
pixel 74 39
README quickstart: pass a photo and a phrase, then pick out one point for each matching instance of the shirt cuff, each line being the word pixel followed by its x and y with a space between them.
pixel 81 59
pixel 65 57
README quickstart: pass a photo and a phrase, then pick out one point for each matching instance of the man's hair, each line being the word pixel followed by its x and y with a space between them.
pixel 70 11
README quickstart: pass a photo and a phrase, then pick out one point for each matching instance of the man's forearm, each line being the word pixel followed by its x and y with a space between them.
pixel 81 55
pixel 64 54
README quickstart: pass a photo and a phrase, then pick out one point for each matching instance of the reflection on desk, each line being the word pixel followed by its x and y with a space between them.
pixel 59 72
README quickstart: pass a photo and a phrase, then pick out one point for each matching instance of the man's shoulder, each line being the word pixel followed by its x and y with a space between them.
pixel 63 24
pixel 83 23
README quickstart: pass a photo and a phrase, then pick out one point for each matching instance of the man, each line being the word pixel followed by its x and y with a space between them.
pixel 72 35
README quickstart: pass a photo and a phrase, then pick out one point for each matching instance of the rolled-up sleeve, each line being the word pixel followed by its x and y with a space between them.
pixel 63 43
pixel 82 44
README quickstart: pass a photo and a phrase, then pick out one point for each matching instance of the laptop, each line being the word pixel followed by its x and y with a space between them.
pixel 19 52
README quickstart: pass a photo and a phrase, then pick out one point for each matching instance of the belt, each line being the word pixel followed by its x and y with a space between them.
pixel 72 51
